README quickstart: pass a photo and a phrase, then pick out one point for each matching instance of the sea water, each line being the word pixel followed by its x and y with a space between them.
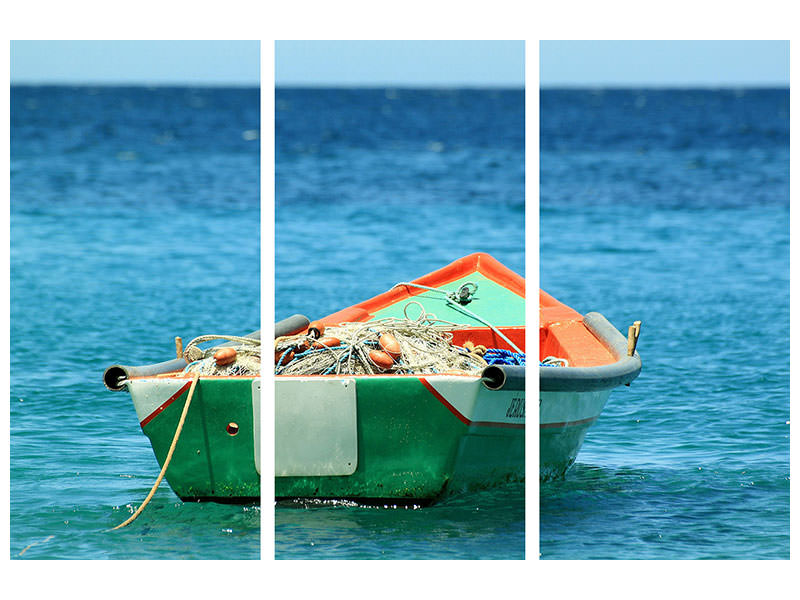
pixel 374 187
pixel 134 219
pixel 672 207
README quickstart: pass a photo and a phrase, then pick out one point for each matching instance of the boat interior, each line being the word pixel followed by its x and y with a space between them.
pixel 486 337
pixel 562 334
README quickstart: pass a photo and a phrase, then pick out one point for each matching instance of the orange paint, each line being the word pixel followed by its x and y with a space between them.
pixel 486 337
pixel 563 334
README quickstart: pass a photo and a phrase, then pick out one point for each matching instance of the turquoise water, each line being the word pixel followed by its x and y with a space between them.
pixel 134 219
pixel 672 207
pixel 374 187
pixel 485 524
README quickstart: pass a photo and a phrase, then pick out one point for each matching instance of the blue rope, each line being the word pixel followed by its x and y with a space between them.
pixel 498 356
pixel 279 367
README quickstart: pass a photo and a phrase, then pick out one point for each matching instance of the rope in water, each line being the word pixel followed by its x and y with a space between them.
pixel 195 378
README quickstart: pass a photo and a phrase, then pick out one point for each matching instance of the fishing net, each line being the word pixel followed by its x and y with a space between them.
pixel 425 346
pixel 553 361
pixel 240 356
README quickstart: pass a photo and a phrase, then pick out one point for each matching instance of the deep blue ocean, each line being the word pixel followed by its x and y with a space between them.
pixel 134 219
pixel 672 207
pixel 377 186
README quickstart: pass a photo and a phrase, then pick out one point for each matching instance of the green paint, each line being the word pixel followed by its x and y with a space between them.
pixel 411 446
pixel 558 449
pixel 208 461
pixel 493 302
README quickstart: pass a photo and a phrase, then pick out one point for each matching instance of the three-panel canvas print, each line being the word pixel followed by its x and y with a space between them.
pixel 407 205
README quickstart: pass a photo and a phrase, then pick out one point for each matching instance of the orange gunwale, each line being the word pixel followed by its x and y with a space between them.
pixel 563 334
pixel 182 375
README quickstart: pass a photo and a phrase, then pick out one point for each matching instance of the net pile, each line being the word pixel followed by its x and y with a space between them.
pixel 425 347
pixel 246 356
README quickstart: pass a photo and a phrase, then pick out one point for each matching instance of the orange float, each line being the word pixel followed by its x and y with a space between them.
pixel 381 360
pixel 326 342
pixel 390 345
pixel 286 359
pixel 225 356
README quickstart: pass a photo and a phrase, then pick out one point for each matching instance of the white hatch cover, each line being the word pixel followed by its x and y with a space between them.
pixel 315 427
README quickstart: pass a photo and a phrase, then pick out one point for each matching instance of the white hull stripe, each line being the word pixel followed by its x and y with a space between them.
pixel 463 418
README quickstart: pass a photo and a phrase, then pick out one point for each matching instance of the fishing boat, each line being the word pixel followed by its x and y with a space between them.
pixel 582 358
pixel 386 431
pixel 216 446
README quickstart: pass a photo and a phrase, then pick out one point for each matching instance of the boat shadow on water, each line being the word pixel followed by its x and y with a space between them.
pixel 488 523
pixel 588 478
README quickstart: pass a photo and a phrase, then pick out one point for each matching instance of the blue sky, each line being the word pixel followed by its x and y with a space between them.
pixel 664 63
pixel 404 63
pixel 401 63
pixel 136 62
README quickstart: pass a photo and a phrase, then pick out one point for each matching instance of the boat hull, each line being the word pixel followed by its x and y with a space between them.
pixel 402 437
pixel 571 398
pixel 564 419
pixel 217 455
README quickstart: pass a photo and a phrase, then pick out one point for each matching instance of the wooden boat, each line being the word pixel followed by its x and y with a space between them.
pixel 405 436
pixel 582 359
pixel 217 455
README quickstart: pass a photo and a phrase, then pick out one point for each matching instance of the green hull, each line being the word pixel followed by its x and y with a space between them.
pixel 564 420
pixel 558 449
pixel 210 462
pixel 412 445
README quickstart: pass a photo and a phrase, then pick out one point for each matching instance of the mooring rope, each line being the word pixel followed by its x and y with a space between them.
pixel 195 377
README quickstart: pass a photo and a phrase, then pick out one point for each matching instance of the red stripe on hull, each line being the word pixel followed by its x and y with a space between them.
pixel 169 401
pixel 566 423
pixel 442 399
pixel 497 424
pixel 461 417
